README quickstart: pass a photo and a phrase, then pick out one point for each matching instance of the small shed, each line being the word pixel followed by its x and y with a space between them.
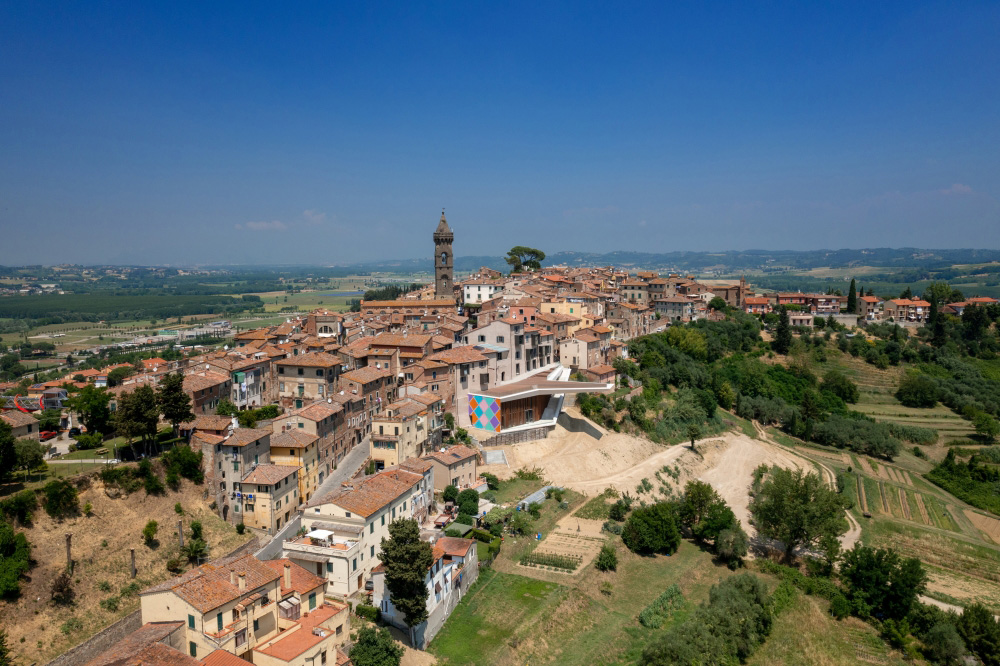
pixel 537 496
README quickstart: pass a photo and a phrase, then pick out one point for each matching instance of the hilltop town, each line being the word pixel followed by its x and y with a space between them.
pixel 461 407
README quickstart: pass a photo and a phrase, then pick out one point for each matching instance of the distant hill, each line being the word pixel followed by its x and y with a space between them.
pixel 720 262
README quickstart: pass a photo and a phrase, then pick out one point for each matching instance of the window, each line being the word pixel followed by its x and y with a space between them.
pixel 383 520
pixel 281 386
pixel 372 553
pixel 329 567
pixel 218 621
pixel 312 600
pixel 281 370
pixel 394 513
pixel 482 338
pixel 404 505
pixel 319 373
pixel 354 564
pixel 499 338
pixel 301 371
pixel 256 626
pixel 192 649
pixel 190 621
pixel 241 637
pixel 371 528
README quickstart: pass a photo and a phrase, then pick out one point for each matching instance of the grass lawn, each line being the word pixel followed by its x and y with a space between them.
pixel 516 489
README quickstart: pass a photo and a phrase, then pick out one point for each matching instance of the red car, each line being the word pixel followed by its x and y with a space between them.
pixel 46 435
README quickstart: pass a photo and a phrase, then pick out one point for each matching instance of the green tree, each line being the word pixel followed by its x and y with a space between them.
pixel 935 322
pixel 196 550
pixel 718 304
pixel 174 403
pixel 783 333
pixel 652 529
pixel 137 415
pixel 8 452
pixel 49 419
pixel 986 426
pixel 917 390
pixel 450 493
pixel 6 658
pixel 520 258
pixel 879 583
pixel 794 508
pixel 406 560
pixel 91 404
pixel 852 298
pixel 468 502
pixel 375 647
pixel 226 408
pixel 118 375
pixel 30 455
pixel 981 633
pixel 837 383
pixel 944 645
pixel 732 545
pixel 15 559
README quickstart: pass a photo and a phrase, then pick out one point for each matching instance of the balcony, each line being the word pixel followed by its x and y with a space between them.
pixel 331 547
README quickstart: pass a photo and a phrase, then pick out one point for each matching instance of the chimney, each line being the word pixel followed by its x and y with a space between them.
pixel 232 577
pixel 243 581
pixel 288 576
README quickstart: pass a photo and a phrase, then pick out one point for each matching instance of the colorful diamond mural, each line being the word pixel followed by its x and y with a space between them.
pixel 484 412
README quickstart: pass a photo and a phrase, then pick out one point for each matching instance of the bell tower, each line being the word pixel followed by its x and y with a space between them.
pixel 444 261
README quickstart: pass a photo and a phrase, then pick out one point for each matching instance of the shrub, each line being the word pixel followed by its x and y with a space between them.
pixel 110 604
pixel 240 528
pixel 917 390
pixel 195 550
pixel 525 474
pixel 618 511
pixel 784 596
pixel 104 586
pixel 492 482
pixel 184 462
pixel 652 529
pixel 196 529
pixel 611 527
pixel 149 533
pixel 71 625
pixel 153 484
pixel 607 559
pixel 174 565
pixel 481 535
pixel 18 507
pixel 62 589
pixel 369 612
pixel 178 509
pixel 61 499
pixel 731 545
pixel 656 613
pixel 607 588
pixel 88 509
pixel 840 607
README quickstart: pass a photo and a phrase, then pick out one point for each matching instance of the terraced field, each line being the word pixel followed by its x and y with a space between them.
pixel 885 407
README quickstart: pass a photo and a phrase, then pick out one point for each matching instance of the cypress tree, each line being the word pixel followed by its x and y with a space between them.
pixel 783 334
pixel 852 298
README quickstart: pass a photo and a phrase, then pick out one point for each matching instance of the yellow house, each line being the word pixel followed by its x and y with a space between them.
pixel 270 495
pixel 243 607
pixel 300 449
pixel 570 310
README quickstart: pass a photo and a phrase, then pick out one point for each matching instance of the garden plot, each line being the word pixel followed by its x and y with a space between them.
pixel 923 509
pixel 986 524
pixel 578 539
pixel 861 494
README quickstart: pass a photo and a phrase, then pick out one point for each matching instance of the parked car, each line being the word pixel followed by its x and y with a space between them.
pixel 73 432
pixel 46 435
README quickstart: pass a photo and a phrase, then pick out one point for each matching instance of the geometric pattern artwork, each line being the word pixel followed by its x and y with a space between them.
pixel 484 412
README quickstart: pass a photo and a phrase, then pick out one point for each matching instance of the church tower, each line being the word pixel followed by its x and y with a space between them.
pixel 444 261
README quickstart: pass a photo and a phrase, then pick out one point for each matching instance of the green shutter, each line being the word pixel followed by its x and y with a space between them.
pixel 219 621
pixel 312 600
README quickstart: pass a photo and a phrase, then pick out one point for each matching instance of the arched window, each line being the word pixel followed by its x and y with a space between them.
pixel 444 258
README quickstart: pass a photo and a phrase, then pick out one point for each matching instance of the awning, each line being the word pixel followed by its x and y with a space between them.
pixel 320 534
pixel 284 605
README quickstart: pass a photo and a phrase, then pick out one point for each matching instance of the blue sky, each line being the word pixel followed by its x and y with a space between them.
pixel 333 133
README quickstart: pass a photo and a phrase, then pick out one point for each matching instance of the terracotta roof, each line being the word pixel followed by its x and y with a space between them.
pixel 222 658
pixel 209 586
pixel 203 380
pixel 366 496
pixel 208 437
pixel 18 419
pixel 291 644
pixel 463 354
pixel 303 582
pixel 756 300
pixel 311 360
pixel 444 303
pixel 210 422
pixel 426 398
pixel 268 474
pixel 318 411
pixel 415 465
pixel 143 648
pixel 293 439
pixel 397 340
pixel 366 375
pixel 455 546
pixel 453 455
pixel 244 436
pixel 601 369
